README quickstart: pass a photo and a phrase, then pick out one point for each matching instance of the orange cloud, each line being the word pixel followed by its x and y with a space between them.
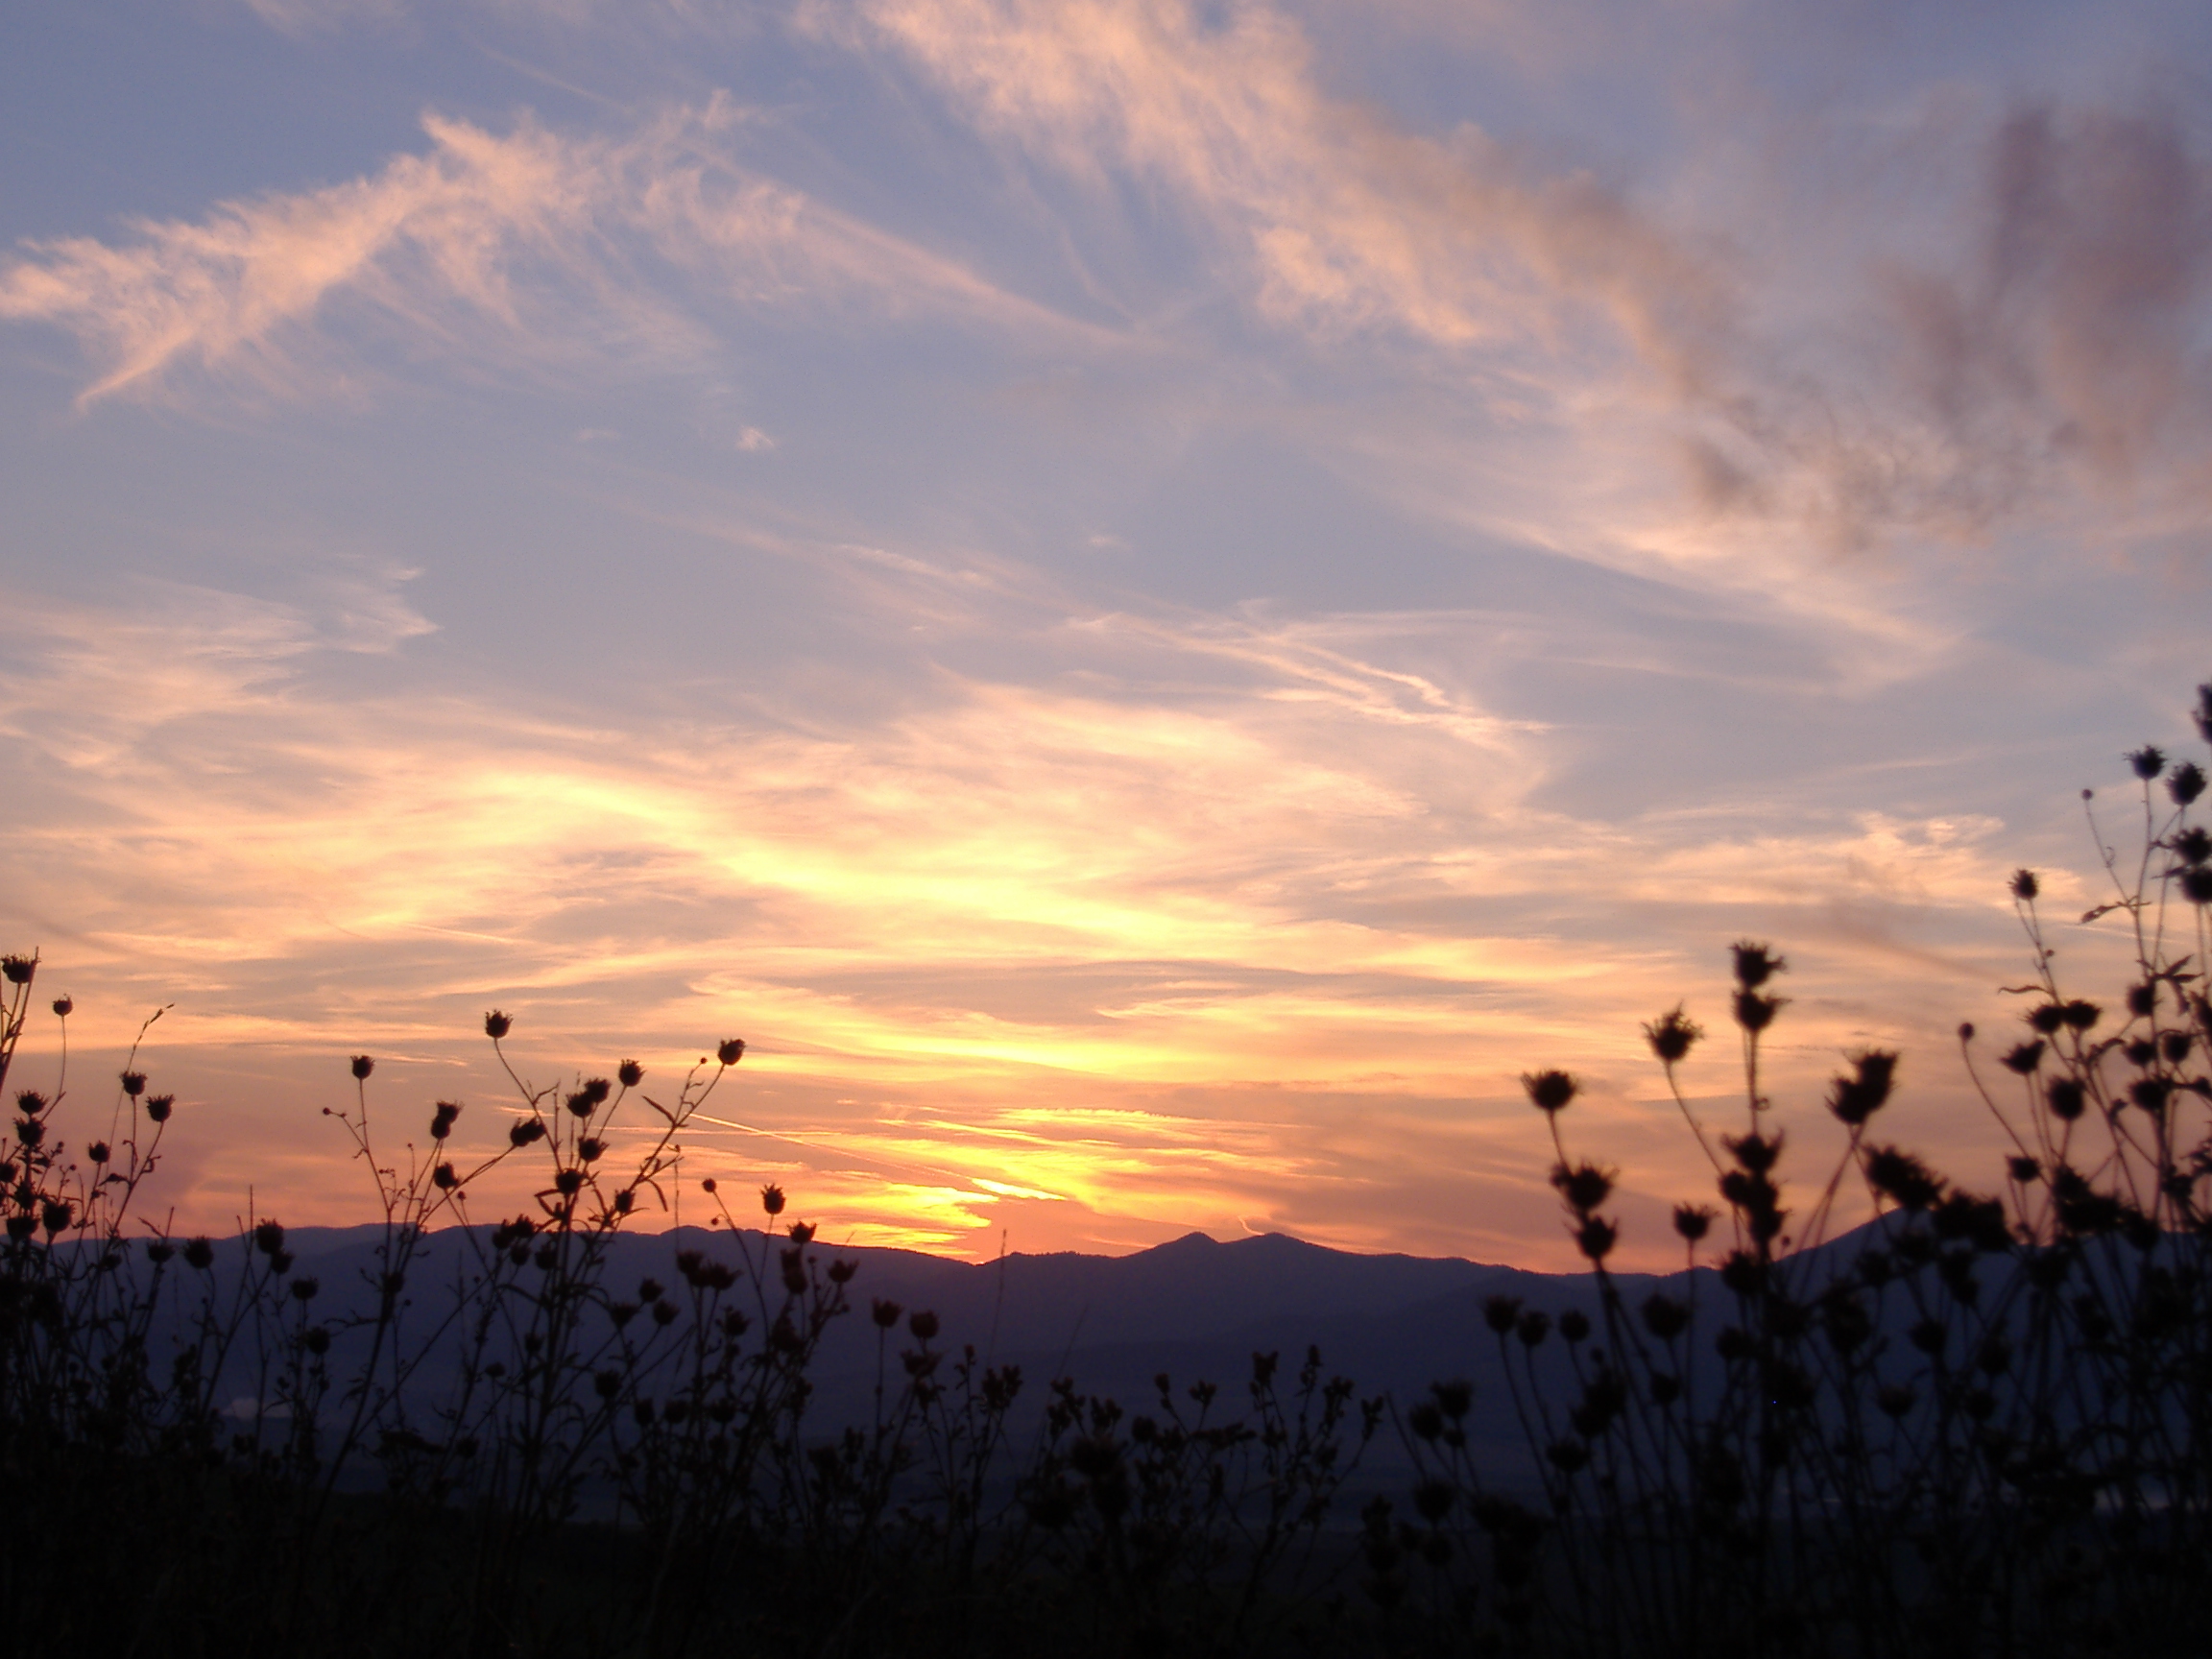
pixel 1100 959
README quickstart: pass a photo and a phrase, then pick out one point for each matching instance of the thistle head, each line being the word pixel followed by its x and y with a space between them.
pixel 1550 1090
pixel 1672 1035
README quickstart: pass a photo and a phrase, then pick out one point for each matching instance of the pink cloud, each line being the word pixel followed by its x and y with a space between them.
pixel 527 246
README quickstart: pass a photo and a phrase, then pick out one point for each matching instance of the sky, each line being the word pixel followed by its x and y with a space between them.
pixel 1151 600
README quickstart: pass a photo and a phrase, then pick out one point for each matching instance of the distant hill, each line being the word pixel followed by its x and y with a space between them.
pixel 1195 1310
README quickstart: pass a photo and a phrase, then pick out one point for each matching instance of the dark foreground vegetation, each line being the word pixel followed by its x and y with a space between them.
pixel 1981 1426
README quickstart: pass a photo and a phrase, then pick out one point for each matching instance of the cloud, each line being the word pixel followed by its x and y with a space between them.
pixel 312 16
pixel 1341 221
pixel 2035 321
pixel 1166 931
pixel 527 245
pixel 2074 327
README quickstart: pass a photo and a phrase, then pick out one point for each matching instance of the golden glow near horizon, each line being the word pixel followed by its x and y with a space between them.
pixel 1152 602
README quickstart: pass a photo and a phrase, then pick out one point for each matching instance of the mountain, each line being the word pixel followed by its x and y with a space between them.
pixel 1192 1309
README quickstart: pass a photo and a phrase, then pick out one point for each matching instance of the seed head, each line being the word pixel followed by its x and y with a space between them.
pixel 707 1184
pixel 200 1254
pixel 2147 762
pixel 63 1007
pixel 1501 1312
pixel 159 1106
pixel 441 1119
pixel 133 1084
pixel 1904 1178
pixel 1575 1325
pixel 523 1132
pixel 924 1325
pixel 802 1231
pixel 98 1152
pixel 2186 782
pixel 443 1178
pixel 1756 1153
pixel 1754 1012
pixel 1584 1186
pixel 771 1199
pixel 731 1051
pixel 1756 964
pixel 55 1215
pixel 269 1237
pixel 1550 1090
pixel 1858 1096
pixel 581 1104
pixel 631 1073
pixel 2151 1094
pixel 1692 1222
pixel 885 1314
pixel 1664 1318
pixel 362 1066
pixel 1672 1035
pixel 496 1024
pixel 2025 886
pixel 18 969
pixel 2025 1058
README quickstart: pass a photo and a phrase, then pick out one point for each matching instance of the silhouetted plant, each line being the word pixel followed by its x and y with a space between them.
pixel 489 1392
pixel 1981 1424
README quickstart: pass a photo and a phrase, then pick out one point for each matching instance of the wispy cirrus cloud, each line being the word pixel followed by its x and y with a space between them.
pixel 1340 220
pixel 528 246
pixel 2052 329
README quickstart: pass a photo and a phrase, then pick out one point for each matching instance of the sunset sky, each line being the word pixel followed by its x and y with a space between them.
pixel 1152 600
